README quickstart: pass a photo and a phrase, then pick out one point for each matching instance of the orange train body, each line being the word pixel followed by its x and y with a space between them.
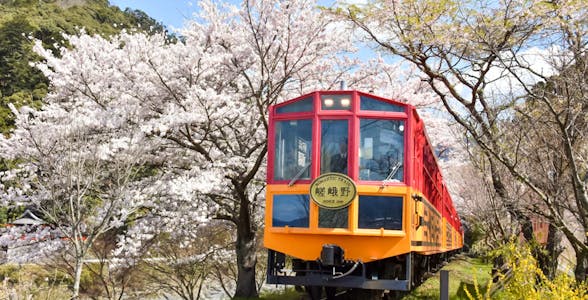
pixel 423 230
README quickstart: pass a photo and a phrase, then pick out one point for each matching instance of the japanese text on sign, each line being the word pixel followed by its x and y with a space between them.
pixel 333 190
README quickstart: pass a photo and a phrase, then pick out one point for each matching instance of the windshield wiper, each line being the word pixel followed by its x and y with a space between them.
pixel 393 172
pixel 299 174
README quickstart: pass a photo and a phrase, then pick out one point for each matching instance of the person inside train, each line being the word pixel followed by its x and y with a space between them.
pixel 339 160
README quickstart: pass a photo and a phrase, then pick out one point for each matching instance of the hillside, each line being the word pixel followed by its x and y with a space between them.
pixel 21 21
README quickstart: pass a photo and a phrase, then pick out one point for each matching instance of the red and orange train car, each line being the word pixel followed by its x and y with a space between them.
pixel 355 197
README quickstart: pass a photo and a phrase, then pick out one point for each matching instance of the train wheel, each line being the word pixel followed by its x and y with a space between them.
pixel 314 292
pixel 418 265
pixel 394 295
pixel 331 293
pixel 365 294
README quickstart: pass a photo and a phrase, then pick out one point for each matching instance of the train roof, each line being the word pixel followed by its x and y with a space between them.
pixel 344 92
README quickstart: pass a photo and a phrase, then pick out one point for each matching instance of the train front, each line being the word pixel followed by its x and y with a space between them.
pixel 338 209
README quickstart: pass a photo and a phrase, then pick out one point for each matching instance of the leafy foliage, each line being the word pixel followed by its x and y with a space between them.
pixel 525 280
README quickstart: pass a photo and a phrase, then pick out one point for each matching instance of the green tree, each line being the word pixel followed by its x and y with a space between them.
pixel 19 82
pixel 22 21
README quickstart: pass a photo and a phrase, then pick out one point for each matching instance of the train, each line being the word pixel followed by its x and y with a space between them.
pixel 355 198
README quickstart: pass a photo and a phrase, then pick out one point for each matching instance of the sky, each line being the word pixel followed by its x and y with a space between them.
pixel 172 13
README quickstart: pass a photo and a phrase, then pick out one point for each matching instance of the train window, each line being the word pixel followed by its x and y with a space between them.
pixel 303 105
pixel 368 103
pixel 334 146
pixel 293 140
pixel 333 218
pixel 377 212
pixel 336 102
pixel 290 210
pixel 381 150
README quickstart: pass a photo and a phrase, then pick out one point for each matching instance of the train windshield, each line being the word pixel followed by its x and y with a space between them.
pixel 381 150
pixel 291 210
pixel 377 212
pixel 334 146
pixel 293 141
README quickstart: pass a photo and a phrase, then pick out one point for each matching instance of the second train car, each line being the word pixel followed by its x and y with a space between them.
pixel 355 198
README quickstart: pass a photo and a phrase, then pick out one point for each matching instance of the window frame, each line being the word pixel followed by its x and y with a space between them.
pixel 370 188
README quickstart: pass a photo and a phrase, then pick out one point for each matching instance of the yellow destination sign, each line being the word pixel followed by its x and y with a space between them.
pixel 333 190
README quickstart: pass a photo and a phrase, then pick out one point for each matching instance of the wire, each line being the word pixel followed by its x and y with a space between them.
pixel 348 272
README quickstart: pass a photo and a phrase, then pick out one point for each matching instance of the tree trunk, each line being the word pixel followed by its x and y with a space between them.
pixel 246 255
pixel 77 277
pixel 581 255
pixel 554 250
pixel 246 285
pixel 581 265
pixel 515 212
pixel 547 255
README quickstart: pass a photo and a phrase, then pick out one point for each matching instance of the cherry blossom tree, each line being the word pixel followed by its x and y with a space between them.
pixel 485 60
pixel 163 137
pixel 73 167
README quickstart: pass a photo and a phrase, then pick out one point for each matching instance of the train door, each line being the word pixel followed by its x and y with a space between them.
pixel 334 158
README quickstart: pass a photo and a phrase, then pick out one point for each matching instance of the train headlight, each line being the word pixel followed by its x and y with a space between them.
pixel 345 102
pixel 328 102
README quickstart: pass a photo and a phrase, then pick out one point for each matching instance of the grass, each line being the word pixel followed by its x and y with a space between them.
pixel 288 294
pixel 464 273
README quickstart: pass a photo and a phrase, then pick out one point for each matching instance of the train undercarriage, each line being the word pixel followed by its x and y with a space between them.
pixel 332 274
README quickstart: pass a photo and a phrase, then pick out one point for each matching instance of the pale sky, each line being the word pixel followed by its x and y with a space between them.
pixel 171 13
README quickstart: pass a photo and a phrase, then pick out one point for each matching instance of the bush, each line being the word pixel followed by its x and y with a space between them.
pixel 523 279
pixel 32 282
